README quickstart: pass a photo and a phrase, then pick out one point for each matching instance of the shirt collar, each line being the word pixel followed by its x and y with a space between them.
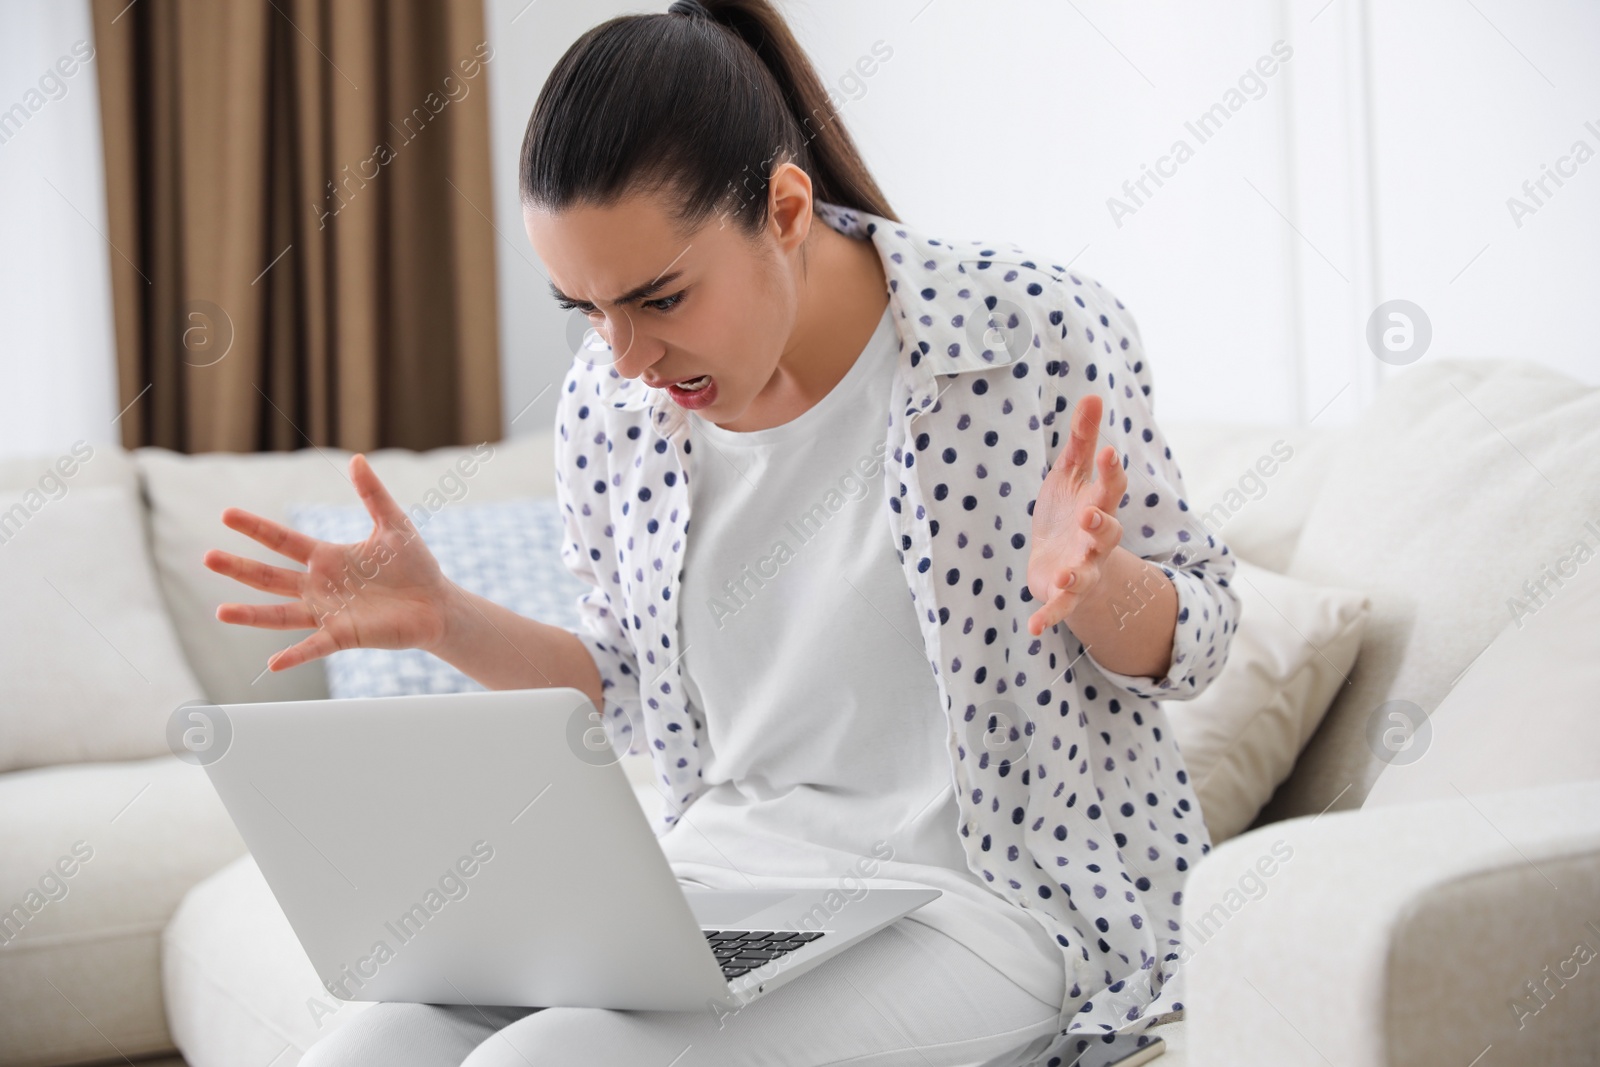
pixel 931 300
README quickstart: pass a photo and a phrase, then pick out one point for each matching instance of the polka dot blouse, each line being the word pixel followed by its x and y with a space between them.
pixel 1075 804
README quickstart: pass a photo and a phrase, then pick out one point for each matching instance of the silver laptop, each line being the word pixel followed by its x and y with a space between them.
pixel 482 848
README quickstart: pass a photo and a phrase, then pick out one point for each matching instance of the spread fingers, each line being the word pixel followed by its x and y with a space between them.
pixel 255 574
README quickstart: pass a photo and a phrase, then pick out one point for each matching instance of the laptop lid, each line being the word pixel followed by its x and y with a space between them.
pixel 458 848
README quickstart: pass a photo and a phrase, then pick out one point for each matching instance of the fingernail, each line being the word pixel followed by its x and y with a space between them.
pixel 1094 520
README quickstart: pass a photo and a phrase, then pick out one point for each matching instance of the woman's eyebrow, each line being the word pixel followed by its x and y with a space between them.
pixel 638 292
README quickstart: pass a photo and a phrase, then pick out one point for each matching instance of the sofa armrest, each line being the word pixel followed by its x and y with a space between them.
pixel 1413 934
pixel 94 860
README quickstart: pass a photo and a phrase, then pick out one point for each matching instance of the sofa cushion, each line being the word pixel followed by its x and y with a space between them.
pixel 239 988
pixel 1253 486
pixel 97 857
pixel 90 668
pixel 1524 713
pixel 1240 738
pixel 187 495
pixel 55 475
pixel 506 551
pixel 1465 479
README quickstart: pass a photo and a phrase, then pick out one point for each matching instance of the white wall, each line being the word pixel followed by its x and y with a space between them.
pixel 527 38
pixel 1473 100
pixel 1254 268
pixel 57 364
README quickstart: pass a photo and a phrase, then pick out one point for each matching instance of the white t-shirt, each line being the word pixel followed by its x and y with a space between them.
pixel 825 745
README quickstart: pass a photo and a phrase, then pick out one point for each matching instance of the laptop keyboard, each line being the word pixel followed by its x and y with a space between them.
pixel 739 951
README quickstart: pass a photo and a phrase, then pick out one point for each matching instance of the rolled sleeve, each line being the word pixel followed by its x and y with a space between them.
pixel 1206 605
pixel 599 627
pixel 1100 351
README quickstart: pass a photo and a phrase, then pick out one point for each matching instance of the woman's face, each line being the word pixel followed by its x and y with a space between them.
pixel 675 307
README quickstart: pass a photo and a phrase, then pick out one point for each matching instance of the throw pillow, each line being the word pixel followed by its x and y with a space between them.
pixel 506 551
pixel 90 667
pixel 1240 738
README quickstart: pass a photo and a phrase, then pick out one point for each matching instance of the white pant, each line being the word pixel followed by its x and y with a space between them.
pixel 908 995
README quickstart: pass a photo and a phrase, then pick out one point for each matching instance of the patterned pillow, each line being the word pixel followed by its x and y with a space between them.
pixel 505 551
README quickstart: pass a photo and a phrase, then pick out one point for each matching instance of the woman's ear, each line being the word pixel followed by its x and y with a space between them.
pixel 789 206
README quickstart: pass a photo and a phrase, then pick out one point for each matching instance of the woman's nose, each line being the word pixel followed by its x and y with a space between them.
pixel 632 349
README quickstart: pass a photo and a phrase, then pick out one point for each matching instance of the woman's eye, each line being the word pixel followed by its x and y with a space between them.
pixel 666 303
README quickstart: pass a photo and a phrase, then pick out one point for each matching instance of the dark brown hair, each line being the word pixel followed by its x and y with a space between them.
pixel 700 102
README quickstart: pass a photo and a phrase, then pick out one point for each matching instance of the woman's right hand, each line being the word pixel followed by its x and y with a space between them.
pixel 386 592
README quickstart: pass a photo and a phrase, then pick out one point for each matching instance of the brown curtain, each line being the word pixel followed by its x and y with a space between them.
pixel 299 202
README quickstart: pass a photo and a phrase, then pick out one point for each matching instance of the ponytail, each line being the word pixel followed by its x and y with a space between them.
pixel 701 102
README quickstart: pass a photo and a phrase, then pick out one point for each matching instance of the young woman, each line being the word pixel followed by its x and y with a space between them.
pixel 919 630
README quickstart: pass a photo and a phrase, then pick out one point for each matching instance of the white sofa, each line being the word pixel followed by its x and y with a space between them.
pixel 1424 901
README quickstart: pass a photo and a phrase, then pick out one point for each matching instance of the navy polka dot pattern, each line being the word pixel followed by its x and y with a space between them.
pixel 1084 814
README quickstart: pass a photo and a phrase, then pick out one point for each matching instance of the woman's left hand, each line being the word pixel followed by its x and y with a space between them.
pixel 1075 527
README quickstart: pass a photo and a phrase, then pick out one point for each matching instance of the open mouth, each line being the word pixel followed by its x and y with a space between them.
pixel 694 385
